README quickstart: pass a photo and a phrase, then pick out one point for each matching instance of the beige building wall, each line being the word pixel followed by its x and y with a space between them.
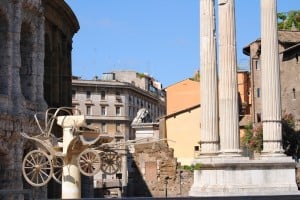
pixel 182 95
pixel 182 123
pixel 184 129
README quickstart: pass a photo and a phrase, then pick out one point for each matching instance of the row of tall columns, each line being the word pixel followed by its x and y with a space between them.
pixel 227 126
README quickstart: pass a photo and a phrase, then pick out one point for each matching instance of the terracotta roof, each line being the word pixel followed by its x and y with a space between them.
pixel 283 37
pixel 289 36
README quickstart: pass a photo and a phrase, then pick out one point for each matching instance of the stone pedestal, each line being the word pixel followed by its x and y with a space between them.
pixel 239 176
pixel 71 180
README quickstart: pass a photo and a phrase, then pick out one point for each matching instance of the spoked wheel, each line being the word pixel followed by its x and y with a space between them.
pixel 111 162
pixel 58 163
pixel 37 169
pixel 89 162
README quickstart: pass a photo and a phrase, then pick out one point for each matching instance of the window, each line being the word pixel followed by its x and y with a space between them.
pixel 118 127
pixel 257 65
pixel 118 111
pixel 103 128
pixel 73 94
pixel 118 97
pixel 258 92
pixel 103 110
pixel 88 110
pixel 88 94
pixel 294 93
pixel 258 117
pixel 102 95
pixel 130 111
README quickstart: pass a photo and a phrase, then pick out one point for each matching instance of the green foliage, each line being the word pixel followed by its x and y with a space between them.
pixel 197 166
pixel 191 168
pixel 290 137
pixel 253 138
pixel 286 20
pixel 140 75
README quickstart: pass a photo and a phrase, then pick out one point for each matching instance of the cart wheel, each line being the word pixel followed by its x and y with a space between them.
pixel 89 162
pixel 111 162
pixel 37 169
pixel 58 163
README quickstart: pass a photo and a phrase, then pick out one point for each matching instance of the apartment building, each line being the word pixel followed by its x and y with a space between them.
pixel 289 51
pixel 110 103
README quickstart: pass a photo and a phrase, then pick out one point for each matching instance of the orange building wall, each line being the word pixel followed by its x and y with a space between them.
pixel 182 95
pixel 244 91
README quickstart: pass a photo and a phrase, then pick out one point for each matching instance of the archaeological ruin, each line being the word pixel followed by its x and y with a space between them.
pixel 35 73
pixel 224 172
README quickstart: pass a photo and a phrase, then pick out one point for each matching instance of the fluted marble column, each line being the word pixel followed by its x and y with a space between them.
pixel 271 102
pixel 229 123
pixel 209 84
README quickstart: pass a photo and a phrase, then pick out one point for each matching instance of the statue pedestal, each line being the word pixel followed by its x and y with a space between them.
pixel 71 180
pixel 239 176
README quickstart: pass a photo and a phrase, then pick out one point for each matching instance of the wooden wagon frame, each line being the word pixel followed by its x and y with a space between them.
pixel 91 147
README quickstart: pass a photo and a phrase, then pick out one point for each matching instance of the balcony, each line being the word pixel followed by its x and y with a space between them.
pixel 119 134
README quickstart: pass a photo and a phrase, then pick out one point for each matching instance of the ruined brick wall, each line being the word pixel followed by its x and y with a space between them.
pixel 12 149
pixel 22 56
pixel 155 172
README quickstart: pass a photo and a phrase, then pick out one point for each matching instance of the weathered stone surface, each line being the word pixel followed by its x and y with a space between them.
pixel 30 41
pixel 156 172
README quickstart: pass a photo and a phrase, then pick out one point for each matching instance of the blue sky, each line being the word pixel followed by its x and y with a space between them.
pixel 158 37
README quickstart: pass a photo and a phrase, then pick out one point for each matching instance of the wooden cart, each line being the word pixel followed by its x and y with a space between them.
pixel 47 160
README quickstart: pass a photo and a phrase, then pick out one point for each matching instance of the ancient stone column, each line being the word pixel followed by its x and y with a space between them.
pixel 271 102
pixel 14 36
pixel 229 116
pixel 39 61
pixel 209 86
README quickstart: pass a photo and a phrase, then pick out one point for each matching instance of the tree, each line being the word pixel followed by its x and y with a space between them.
pixel 290 137
pixel 288 20
pixel 253 138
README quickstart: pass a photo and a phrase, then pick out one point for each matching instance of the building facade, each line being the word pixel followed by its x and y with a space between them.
pixel 183 108
pixel 289 51
pixel 178 92
pixel 110 104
